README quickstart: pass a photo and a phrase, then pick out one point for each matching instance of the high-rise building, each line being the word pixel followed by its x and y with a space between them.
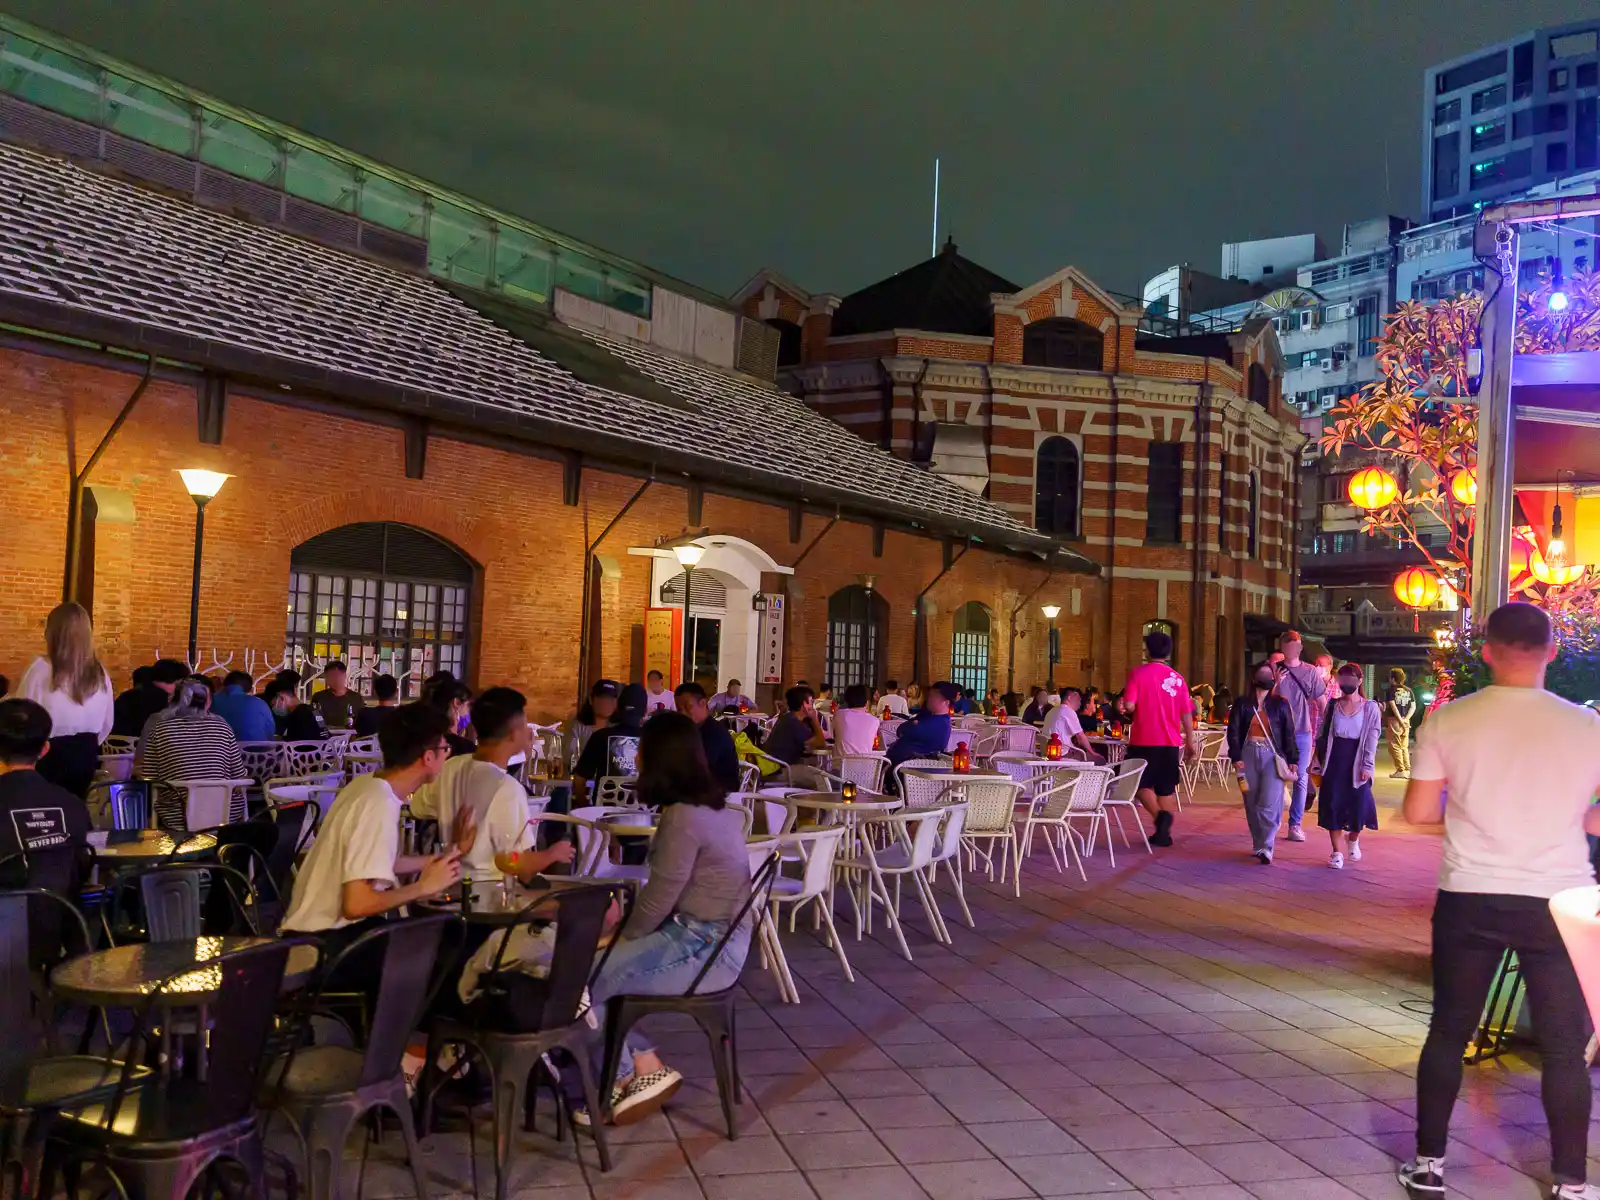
pixel 1507 117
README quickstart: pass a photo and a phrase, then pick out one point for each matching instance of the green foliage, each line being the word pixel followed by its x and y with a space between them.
pixel 1574 675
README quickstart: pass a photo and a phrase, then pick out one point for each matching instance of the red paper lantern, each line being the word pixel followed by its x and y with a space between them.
pixel 1464 486
pixel 1541 570
pixel 1372 488
pixel 1416 588
pixel 1522 551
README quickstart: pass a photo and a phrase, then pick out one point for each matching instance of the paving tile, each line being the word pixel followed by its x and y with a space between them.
pixel 776 1185
pixel 855 1085
pixel 1069 1175
pixel 1252 1162
pixel 712 1155
pixel 1122 1132
pixel 1157 1098
pixel 1162 1167
pixel 932 1144
pixel 1206 1128
pixel 865 1183
pixel 983 1179
pixel 821 1151
pixel 1007 1139
pixel 985 1107
pixel 1318 1188
pixel 1367 1116
pixel 902 1112
pixel 1282 1120
pixel 1341 1156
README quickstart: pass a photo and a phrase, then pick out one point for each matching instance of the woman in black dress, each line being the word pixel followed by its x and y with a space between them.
pixel 1346 756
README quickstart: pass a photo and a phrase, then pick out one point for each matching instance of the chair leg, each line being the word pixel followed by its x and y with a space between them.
pixel 509 1073
pixel 408 1133
pixel 838 942
pixel 596 1124
pixel 719 1031
pixel 959 875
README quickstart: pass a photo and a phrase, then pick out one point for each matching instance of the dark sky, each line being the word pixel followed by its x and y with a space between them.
pixel 712 138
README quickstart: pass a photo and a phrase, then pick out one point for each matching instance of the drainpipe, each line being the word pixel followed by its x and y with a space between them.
pixel 1202 443
pixel 794 568
pixel 69 588
pixel 919 650
pixel 1011 650
pixel 1111 540
pixel 588 588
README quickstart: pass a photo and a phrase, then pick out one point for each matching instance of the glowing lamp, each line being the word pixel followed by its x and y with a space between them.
pixel 1050 611
pixel 1052 748
pixel 1373 488
pixel 1000 714
pixel 1416 588
pixel 1464 486
pixel 1554 574
pixel 689 555
pixel 877 741
pixel 848 791
pixel 1558 302
pixel 961 760
pixel 203 485
pixel 1522 552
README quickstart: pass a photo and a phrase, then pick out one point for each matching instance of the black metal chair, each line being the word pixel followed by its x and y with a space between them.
pixel 158 1137
pixel 173 898
pixel 126 801
pixel 297 823
pixel 714 1012
pixel 264 905
pixel 326 1090
pixel 512 1057
pixel 34 1088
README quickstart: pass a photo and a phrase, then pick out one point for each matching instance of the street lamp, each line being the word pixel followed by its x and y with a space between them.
pixel 689 556
pixel 1051 612
pixel 202 486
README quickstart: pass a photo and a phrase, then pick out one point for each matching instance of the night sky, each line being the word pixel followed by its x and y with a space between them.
pixel 710 139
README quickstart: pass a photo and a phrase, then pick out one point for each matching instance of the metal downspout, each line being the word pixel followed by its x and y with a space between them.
pixel 69 587
pixel 1011 651
pixel 584 664
pixel 919 651
pixel 1202 450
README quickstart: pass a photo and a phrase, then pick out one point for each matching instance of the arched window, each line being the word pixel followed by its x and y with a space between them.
pixel 390 597
pixel 1166 627
pixel 1260 385
pixel 1253 532
pixel 1055 497
pixel 788 341
pixel 1063 342
pixel 858 622
pixel 969 648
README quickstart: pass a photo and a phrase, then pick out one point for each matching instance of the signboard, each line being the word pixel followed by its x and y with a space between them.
pixel 663 642
pixel 769 656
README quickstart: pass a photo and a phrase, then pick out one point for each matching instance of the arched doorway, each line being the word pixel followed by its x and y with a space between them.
pixel 969 648
pixel 858 637
pixel 389 597
pixel 708 609
pixel 726 581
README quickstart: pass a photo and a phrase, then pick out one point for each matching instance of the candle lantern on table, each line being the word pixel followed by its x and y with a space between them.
pixel 848 791
pixel 961 760
pixel 1052 748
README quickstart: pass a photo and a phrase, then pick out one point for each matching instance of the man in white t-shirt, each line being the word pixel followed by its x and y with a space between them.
pixel 353 871
pixel 1062 720
pixel 480 785
pixel 893 700
pixel 657 695
pixel 1512 772
pixel 855 726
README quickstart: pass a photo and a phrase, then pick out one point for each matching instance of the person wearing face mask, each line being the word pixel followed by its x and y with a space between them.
pixel 1260 732
pixel 1346 757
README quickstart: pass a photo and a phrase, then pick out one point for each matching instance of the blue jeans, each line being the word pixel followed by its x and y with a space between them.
pixel 1297 805
pixel 664 963
pixel 1263 797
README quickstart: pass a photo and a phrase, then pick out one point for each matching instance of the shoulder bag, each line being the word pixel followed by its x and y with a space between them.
pixel 1259 721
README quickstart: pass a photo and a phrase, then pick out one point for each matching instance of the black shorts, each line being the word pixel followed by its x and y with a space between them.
pixel 1161 768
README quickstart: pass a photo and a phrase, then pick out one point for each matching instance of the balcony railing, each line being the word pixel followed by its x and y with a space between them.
pixel 1375 623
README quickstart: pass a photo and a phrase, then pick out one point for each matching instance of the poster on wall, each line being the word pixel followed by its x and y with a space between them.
pixel 663 642
pixel 771 652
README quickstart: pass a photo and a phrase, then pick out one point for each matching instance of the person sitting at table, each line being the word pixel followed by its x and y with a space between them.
pixel 1036 709
pixel 1063 722
pixel 892 700
pixel 1089 716
pixel 352 875
pixel 731 699
pixel 926 735
pixel 611 750
pixel 44 829
pixel 855 726
pixel 385 698
pixel 151 693
pixel 248 715
pixel 188 741
pixel 594 713
pixel 913 695
pixel 295 722
pixel 336 704
pixel 480 785
pixel 70 684
pixel 699 881
pixel 454 700
pixel 795 734
pixel 722 757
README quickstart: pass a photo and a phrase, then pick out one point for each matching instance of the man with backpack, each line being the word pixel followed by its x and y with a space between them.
pixel 1399 706
pixel 1306 691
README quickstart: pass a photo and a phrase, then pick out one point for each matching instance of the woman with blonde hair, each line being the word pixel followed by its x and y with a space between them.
pixel 72 686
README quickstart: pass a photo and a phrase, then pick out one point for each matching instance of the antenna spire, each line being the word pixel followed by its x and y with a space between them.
pixel 934 252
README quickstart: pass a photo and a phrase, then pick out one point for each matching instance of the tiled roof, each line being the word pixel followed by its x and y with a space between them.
pixel 947 293
pixel 86 254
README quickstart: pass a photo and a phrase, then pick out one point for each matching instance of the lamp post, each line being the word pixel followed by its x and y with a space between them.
pixel 202 486
pixel 688 555
pixel 1051 612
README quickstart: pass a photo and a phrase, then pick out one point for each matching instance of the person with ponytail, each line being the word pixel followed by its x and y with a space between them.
pixel 70 684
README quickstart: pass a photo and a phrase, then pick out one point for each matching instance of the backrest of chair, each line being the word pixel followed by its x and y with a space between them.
pixel 985 741
pixel 17 1046
pixel 950 833
pixel 212 802
pixel 130 805
pixel 297 823
pixel 262 760
pixel 758 899
pixel 171 898
pixel 1093 780
pixel 118 743
pixel 749 776
pixel 746 811
pixel 888 731
pixel 991 803
pixel 915 790
pixel 1124 785
pixel 262 901
pixel 362 762
pixel 1017 739
pixel 1214 746
pixel 817 848
pixel 922 831
pixel 116 766
pixel 866 771
pixel 580 920
pixel 1057 794
pixel 615 790
pixel 242 1019
pixel 589 839
pixel 304 758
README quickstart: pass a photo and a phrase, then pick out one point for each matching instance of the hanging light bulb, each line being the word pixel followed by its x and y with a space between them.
pixel 1556 552
pixel 1558 292
pixel 1558 302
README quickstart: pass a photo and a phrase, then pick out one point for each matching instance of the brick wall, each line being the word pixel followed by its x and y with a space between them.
pixel 297 473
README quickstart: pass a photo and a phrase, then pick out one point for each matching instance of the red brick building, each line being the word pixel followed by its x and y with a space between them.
pixel 1048 400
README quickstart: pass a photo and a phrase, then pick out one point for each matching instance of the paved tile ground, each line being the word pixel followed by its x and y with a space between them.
pixel 1186 1026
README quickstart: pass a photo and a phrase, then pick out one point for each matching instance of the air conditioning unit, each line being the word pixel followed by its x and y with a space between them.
pixel 1327 403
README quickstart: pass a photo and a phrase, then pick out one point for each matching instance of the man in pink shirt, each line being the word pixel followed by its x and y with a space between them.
pixel 1163 731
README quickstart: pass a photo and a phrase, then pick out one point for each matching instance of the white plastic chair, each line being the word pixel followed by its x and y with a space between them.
pixel 596 856
pixel 1053 812
pixel 589 839
pixel 119 743
pixel 1123 793
pixel 361 762
pixel 818 850
pixel 910 841
pixel 209 803
pixel 614 790
pixel 949 852
pixel 749 777
pixel 115 767
pixel 866 771
pixel 1016 738
pixel 916 791
pixel 303 758
pixel 990 819
pixel 263 760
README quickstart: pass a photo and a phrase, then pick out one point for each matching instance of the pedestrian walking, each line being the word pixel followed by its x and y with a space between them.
pixel 1262 748
pixel 1399 706
pixel 1520 767
pixel 1304 687
pixel 1345 758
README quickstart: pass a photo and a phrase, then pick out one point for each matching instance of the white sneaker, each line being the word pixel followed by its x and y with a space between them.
pixel 1573 1191
pixel 1264 857
pixel 1355 851
pixel 1423 1176
pixel 1296 834
pixel 1336 861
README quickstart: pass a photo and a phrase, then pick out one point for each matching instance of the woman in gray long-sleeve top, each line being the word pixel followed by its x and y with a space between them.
pixel 699 880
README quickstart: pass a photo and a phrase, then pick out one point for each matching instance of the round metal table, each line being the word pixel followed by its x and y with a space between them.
pixel 133 848
pixel 124 976
pixel 496 905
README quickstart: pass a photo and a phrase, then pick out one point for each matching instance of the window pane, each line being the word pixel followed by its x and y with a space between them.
pixel 522 263
pixel 320 179
pixel 458 244
pixel 50 80
pixel 150 116
pixel 393 206
pixel 239 149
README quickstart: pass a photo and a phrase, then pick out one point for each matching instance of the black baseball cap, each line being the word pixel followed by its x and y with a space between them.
pixel 605 687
